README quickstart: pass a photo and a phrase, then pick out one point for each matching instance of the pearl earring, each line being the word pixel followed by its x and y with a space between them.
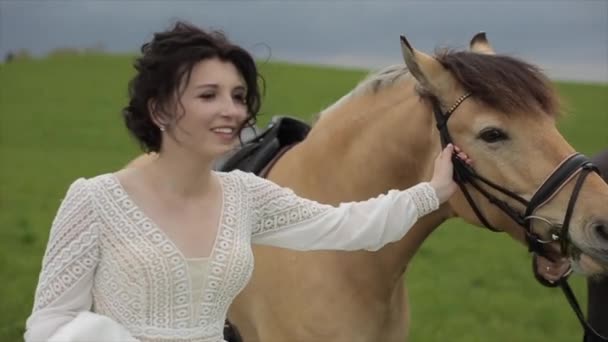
pixel 162 128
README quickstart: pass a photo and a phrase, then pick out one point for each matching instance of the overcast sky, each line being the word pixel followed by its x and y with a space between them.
pixel 568 38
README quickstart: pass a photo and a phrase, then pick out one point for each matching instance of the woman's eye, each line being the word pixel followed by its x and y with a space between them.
pixel 492 135
pixel 207 96
pixel 240 98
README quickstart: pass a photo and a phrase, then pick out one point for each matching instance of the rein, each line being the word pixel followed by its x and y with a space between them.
pixel 575 165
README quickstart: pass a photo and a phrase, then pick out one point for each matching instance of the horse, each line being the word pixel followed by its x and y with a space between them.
pixel 385 134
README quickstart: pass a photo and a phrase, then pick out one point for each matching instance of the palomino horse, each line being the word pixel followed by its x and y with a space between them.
pixel 382 136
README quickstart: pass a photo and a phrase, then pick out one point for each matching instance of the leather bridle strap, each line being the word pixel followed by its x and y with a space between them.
pixel 463 173
pixel 564 171
pixel 575 163
pixel 587 168
pixel 589 331
pixel 569 168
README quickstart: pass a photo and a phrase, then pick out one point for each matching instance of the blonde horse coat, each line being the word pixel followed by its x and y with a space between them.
pixel 382 136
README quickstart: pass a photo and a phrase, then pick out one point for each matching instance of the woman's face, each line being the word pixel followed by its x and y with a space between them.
pixel 214 108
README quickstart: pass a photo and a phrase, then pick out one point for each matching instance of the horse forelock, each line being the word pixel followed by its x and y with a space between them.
pixel 502 82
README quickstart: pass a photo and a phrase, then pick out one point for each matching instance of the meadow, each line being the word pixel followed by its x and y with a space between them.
pixel 60 120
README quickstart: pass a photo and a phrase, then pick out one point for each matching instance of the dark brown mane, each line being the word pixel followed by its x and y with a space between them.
pixel 502 82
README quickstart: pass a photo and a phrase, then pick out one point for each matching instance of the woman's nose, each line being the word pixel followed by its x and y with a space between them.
pixel 232 108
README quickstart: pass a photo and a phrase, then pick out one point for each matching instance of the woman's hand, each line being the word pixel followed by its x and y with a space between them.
pixel 443 179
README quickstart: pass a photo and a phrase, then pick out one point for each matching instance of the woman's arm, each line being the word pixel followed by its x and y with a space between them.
pixel 66 277
pixel 285 220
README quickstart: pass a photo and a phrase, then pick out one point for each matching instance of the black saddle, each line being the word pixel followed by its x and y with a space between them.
pixel 259 151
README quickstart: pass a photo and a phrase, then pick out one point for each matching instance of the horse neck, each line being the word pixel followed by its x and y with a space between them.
pixel 387 133
pixel 373 143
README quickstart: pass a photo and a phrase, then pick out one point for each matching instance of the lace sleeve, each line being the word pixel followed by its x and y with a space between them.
pixel 66 277
pixel 283 219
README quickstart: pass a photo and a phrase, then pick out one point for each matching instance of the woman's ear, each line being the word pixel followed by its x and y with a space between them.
pixel 156 116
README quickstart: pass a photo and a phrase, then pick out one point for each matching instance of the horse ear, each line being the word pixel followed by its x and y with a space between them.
pixel 429 73
pixel 480 44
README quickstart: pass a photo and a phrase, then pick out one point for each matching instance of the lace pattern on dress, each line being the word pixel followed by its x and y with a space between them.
pixel 137 253
pixel 277 207
pixel 73 250
pixel 231 263
pixel 424 198
pixel 140 256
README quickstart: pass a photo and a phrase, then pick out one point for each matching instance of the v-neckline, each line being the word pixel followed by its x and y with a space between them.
pixel 165 236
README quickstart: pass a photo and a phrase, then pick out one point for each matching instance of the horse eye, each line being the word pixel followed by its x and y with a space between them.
pixel 492 135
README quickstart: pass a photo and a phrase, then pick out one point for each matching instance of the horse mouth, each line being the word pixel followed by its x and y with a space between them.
pixel 589 262
pixel 560 267
pixel 551 270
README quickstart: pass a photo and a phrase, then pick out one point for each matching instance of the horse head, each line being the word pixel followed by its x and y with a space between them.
pixel 526 179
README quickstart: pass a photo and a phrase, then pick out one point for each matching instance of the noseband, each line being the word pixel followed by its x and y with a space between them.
pixel 574 166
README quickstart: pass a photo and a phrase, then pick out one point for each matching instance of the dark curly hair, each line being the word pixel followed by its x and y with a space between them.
pixel 168 60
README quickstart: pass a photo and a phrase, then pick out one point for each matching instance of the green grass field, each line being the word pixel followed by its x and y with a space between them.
pixel 60 119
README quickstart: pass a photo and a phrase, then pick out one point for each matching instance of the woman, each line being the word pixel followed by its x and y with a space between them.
pixel 158 252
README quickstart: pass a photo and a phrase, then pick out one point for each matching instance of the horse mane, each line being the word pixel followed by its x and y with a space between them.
pixel 381 79
pixel 502 82
pixel 371 84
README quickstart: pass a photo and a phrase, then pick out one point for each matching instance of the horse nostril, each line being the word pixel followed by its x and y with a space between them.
pixel 601 229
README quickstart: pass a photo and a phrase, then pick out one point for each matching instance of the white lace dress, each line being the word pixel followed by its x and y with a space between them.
pixel 104 255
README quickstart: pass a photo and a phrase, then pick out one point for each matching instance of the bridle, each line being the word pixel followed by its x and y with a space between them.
pixel 574 166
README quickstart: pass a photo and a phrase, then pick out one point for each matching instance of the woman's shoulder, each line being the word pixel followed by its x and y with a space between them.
pixel 234 175
pixel 103 178
pixel 246 179
pixel 89 185
pixel 79 194
pixel 87 195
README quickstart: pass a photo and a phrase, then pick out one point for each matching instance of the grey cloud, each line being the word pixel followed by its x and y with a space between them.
pixel 567 35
